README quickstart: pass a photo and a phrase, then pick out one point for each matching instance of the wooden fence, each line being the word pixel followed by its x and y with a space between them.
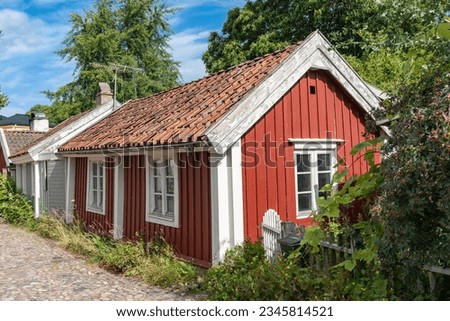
pixel 333 250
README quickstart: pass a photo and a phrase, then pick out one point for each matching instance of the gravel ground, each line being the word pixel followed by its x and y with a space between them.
pixel 32 268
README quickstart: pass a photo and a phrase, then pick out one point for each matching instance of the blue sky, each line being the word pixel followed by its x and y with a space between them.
pixel 33 29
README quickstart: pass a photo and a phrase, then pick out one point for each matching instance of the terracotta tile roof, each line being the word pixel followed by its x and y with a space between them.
pixel 44 136
pixel 18 139
pixel 179 115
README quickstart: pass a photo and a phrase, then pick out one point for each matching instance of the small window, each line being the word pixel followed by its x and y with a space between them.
pixel 314 169
pixel 162 206
pixel 96 187
pixel 312 90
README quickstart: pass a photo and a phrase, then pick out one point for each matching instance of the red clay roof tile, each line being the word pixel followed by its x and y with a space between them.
pixel 182 114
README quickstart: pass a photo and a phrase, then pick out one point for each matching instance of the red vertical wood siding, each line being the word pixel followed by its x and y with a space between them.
pixel 268 162
pixel 192 239
pixel 100 223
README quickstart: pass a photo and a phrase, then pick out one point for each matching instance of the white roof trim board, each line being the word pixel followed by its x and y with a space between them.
pixel 314 53
pixel 48 148
pixel 5 147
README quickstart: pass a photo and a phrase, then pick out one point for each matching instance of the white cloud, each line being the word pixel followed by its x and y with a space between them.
pixel 23 35
pixel 188 47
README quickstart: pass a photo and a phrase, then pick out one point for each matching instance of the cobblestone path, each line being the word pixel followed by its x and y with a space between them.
pixel 32 268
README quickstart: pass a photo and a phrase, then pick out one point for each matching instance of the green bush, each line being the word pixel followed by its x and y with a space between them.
pixel 14 207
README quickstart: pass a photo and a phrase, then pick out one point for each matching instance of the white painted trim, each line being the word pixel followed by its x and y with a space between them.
pixel 24 178
pixel 88 187
pixel 138 151
pixel 37 190
pixel 118 198
pixel 314 196
pixel 54 140
pixel 70 189
pixel 227 206
pixel 314 52
pixel 5 147
pixel 18 178
pixel 149 206
pixel 317 143
pixel 220 220
pixel 237 191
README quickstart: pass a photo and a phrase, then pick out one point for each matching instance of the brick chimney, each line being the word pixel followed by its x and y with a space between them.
pixel 39 122
pixel 104 95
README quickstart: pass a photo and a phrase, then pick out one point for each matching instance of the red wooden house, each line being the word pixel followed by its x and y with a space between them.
pixel 200 164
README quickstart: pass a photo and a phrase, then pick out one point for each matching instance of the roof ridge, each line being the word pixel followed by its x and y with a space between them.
pixel 247 62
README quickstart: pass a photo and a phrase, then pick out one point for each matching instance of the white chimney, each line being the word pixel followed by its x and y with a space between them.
pixel 104 95
pixel 39 122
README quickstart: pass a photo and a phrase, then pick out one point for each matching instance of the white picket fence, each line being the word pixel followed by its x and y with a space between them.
pixel 271 231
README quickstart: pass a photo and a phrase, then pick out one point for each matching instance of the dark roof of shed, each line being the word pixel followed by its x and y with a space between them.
pixel 17 119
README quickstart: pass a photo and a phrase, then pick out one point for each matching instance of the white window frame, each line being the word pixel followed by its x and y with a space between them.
pixel 96 208
pixel 151 215
pixel 313 147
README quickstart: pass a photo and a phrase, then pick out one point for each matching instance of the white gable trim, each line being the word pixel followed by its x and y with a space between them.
pixel 5 147
pixel 314 53
pixel 46 149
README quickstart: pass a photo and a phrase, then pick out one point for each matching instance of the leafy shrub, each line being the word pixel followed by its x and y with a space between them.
pixel 15 208
pixel 415 194
pixel 245 274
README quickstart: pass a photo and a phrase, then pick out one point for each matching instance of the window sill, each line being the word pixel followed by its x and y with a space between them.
pixel 95 210
pixel 305 214
pixel 152 218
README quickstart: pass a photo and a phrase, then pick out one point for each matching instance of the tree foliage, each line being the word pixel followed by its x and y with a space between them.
pixel 415 193
pixel 263 26
pixel 386 41
pixel 3 100
pixel 116 32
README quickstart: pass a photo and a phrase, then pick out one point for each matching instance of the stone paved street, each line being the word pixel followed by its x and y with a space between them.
pixel 32 268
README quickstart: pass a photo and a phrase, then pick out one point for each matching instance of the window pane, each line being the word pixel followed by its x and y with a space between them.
pixel 94 169
pixel 170 185
pixel 94 181
pixel 324 179
pixel 158 203
pixel 303 163
pixel 100 184
pixel 304 202
pixel 304 182
pixel 94 198
pixel 169 171
pixel 170 204
pixel 157 168
pixel 100 199
pixel 158 185
pixel 324 162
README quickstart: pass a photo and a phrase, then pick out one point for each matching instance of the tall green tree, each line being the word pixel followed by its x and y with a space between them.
pixel 263 26
pixel 387 41
pixel 117 32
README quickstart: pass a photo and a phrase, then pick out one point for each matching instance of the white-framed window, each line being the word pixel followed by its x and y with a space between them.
pixel 315 162
pixel 162 192
pixel 96 186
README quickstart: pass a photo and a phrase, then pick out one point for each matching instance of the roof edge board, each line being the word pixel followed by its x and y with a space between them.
pixel 5 147
pixel 73 129
pixel 237 121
